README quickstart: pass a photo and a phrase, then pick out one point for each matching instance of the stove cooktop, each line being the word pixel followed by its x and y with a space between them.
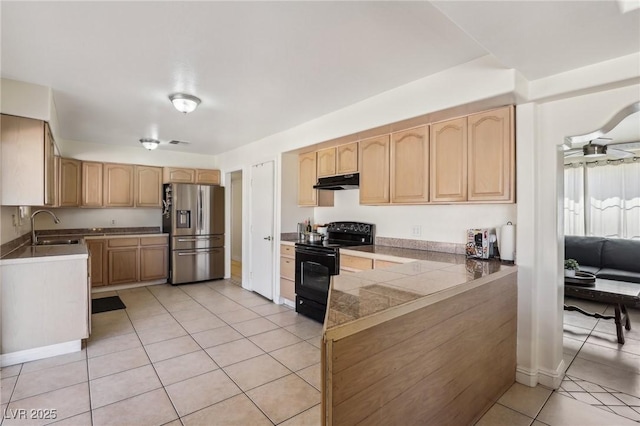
pixel 345 234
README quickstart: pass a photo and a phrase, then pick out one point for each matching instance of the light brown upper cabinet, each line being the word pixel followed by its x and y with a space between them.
pixel 448 167
pixel 374 170
pixel 69 182
pixel 326 162
pixel 178 175
pixel 148 186
pixel 307 175
pixel 91 184
pixel 118 181
pixel 185 175
pixel 410 166
pixel 491 156
pixel 28 162
pixel 347 159
pixel 208 177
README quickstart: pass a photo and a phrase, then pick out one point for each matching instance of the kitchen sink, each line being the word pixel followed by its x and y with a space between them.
pixel 58 242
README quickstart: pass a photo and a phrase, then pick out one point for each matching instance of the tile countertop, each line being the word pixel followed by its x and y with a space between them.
pixel 100 232
pixel 30 254
pixel 362 299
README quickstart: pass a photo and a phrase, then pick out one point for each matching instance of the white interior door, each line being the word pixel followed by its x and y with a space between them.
pixel 262 190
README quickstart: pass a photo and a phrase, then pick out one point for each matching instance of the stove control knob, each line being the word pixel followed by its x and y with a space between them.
pixel 367 228
pixel 361 227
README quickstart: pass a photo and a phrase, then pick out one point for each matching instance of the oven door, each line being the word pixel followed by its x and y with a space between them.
pixel 314 267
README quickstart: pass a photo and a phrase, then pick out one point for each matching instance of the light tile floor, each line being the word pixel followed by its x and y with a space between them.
pixel 215 354
pixel 199 354
pixel 601 386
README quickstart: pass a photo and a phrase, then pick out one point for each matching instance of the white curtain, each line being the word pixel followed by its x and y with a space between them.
pixel 574 211
pixel 613 193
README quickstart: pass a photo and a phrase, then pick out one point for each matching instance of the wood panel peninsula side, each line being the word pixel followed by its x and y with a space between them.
pixel 426 342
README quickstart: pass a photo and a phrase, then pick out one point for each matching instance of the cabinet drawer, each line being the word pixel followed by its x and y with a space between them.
pixel 287 289
pixel 380 264
pixel 355 262
pixel 122 242
pixel 287 268
pixel 154 241
pixel 287 251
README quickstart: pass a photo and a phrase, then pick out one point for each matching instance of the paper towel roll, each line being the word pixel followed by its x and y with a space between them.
pixel 507 242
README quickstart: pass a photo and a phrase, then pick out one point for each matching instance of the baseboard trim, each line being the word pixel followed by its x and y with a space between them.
pixel 107 288
pixel 546 378
pixel 288 302
pixel 526 376
pixel 552 379
pixel 34 354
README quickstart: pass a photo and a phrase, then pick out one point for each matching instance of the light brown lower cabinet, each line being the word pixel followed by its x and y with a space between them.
pixel 355 262
pixel 287 272
pixel 128 260
pixel 97 261
pixel 123 265
pixel 153 262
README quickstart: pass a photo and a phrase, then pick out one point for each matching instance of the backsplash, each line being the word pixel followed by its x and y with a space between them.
pixel 453 248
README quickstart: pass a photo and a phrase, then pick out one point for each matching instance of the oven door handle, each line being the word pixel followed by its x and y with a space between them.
pixel 316 252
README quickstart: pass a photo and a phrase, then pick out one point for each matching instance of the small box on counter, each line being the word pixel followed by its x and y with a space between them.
pixel 481 243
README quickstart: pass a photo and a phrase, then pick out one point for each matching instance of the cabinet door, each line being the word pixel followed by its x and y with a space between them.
pixel 410 166
pixel 123 265
pixel 97 260
pixel 448 166
pixel 23 174
pixel 91 184
pixel 178 175
pixel 374 170
pixel 208 177
pixel 347 159
pixel 491 156
pixel 70 173
pixel 118 185
pixel 154 262
pixel 307 196
pixel 49 168
pixel 288 268
pixel 288 289
pixel 148 192
pixel 326 162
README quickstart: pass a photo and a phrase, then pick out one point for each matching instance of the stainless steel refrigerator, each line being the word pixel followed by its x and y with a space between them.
pixel 193 215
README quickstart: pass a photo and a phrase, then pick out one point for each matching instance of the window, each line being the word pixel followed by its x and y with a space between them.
pixel 603 199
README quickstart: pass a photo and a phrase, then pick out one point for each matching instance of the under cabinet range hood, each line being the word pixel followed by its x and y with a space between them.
pixel 335 183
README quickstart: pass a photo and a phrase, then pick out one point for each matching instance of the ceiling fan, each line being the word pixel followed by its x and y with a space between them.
pixel 600 147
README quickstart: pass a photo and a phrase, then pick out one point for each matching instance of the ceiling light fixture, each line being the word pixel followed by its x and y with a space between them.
pixel 184 103
pixel 149 143
pixel 593 151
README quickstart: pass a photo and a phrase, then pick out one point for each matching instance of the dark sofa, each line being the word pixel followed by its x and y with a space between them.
pixel 608 258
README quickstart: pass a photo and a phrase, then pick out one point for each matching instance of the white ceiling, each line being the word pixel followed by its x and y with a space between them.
pixel 264 67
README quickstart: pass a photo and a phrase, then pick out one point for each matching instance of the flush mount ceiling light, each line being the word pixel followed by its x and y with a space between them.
pixel 184 103
pixel 150 143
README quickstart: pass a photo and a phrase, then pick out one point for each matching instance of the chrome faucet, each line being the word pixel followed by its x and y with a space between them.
pixel 34 239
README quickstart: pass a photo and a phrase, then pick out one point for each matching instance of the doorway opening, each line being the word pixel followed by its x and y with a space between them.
pixel 236 227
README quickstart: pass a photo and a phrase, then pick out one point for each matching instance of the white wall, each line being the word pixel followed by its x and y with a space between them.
pixel 72 218
pixel 135 154
pixel 442 223
pixel 8 232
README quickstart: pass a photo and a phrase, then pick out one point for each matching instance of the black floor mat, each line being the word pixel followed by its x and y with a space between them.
pixel 106 304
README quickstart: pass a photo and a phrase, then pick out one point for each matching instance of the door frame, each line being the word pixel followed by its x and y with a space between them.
pixel 246 223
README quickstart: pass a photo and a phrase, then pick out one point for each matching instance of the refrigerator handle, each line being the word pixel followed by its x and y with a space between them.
pixel 199 212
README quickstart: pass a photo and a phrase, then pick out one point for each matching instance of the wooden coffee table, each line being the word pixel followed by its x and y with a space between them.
pixel 619 293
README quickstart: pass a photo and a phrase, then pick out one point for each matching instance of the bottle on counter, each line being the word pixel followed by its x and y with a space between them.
pixel 308 222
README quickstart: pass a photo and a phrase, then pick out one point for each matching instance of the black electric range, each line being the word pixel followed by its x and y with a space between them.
pixel 317 262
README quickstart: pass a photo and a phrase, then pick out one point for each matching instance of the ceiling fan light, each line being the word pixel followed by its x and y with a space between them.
pixel 184 103
pixel 594 151
pixel 149 143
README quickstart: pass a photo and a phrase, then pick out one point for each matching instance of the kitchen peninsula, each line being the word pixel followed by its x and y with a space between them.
pixel 425 342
